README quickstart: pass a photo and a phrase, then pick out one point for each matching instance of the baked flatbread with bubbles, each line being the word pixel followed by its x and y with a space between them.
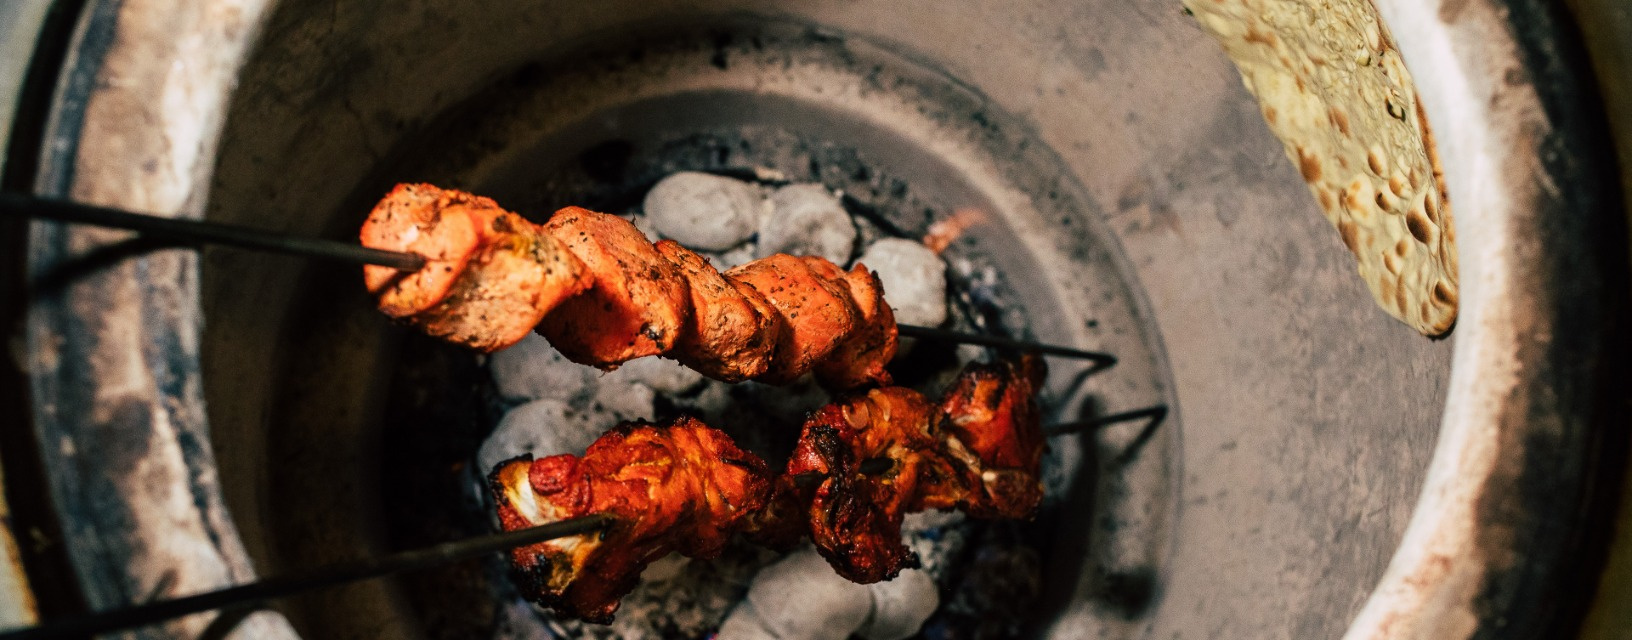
pixel 1333 88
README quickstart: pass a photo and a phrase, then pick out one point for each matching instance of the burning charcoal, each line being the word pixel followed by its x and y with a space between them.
pixel 621 400
pixel 533 370
pixel 807 220
pixel 712 402
pixel 661 374
pixel 801 598
pixel 900 606
pixel 725 260
pixel 703 211
pixel 788 404
pixel 677 598
pixel 515 620
pixel 994 595
pixel 644 224
pixel 936 537
pixel 542 428
pixel 914 280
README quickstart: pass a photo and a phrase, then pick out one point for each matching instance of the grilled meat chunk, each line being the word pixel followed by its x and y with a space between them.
pixel 733 329
pixel 638 301
pixel 854 513
pixel 991 431
pixel 677 487
pixel 978 449
pixel 815 305
pixel 860 359
pixel 490 275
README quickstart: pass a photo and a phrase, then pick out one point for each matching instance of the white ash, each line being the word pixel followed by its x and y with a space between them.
pixel 937 537
pixel 983 286
pixel 689 604
pixel 644 225
pixel 533 370
pixel 703 211
pixel 799 597
pixel 564 407
pixel 900 606
pixel 914 280
pixel 622 401
pixel 517 620
pixel 725 260
pixel 807 220
pixel 542 428
pixel 661 374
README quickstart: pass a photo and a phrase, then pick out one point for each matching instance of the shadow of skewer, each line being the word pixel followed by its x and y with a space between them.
pixel 1155 416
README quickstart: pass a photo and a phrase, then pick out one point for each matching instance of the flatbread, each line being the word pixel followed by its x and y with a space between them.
pixel 1333 88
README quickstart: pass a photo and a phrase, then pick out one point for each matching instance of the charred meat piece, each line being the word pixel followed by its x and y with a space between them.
pixel 678 487
pixel 979 449
pixel 861 464
pixel 784 521
pixel 860 359
pixel 490 275
pixel 638 301
pixel 733 330
pixel 817 309
pixel 854 513
pixel 990 426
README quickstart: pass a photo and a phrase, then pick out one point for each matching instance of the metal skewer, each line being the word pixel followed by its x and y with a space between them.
pixel 1100 360
pixel 272 588
pixel 201 232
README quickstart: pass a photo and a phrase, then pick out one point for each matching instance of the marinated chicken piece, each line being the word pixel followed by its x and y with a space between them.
pixel 732 331
pixel 679 487
pixel 490 275
pixel 816 308
pixel 637 303
pixel 990 426
pixel 854 516
pixel 592 284
pixel 978 449
pixel 861 464
pixel 783 523
pixel 860 359
pixel 433 223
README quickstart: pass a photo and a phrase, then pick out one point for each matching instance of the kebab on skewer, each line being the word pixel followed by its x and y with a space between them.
pixel 979 450
pixel 603 294
pixel 680 487
pixel 685 487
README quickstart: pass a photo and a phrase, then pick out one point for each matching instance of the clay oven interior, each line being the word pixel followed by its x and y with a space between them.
pixel 1140 205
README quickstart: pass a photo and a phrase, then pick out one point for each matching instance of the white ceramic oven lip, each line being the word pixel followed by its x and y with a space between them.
pixel 141 108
